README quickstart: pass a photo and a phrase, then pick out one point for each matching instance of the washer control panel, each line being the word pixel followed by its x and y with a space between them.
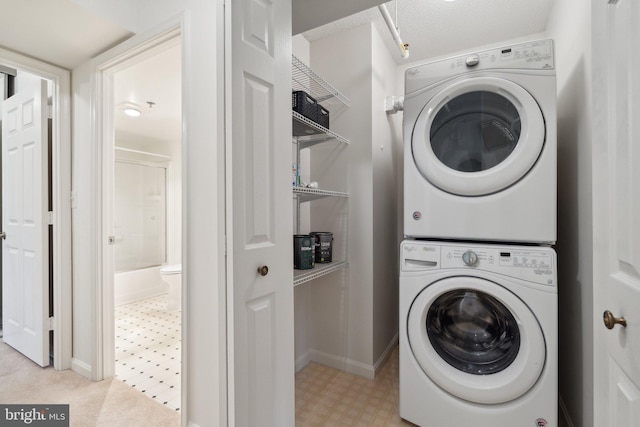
pixel 534 264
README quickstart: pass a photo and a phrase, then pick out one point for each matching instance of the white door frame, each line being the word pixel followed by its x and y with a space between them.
pixel 105 66
pixel 61 175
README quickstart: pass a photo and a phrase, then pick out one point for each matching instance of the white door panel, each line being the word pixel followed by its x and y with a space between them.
pixel 261 352
pixel 624 410
pixel 25 278
pixel 616 211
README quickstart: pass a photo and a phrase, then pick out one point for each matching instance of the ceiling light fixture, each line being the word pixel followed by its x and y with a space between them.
pixel 131 112
pixel 130 109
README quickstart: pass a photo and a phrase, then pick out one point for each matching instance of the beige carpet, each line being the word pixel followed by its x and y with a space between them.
pixel 106 403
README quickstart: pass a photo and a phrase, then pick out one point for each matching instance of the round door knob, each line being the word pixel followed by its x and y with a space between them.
pixel 3 235
pixel 263 270
pixel 610 320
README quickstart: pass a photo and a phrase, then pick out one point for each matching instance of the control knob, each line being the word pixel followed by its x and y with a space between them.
pixel 472 60
pixel 470 258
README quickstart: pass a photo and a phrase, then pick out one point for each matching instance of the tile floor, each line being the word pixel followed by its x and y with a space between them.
pixel 148 349
pixel 330 397
pixel 148 359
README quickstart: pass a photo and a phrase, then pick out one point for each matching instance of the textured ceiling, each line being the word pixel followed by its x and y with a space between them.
pixel 436 27
pixel 56 31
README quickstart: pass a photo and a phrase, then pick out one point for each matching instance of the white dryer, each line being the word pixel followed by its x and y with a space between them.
pixel 480 146
pixel 478 335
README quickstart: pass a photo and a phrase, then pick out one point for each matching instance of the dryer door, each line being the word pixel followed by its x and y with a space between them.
pixel 476 340
pixel 478 136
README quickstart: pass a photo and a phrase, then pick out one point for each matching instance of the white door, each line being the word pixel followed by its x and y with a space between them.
pixel 25 255
pixel 261 351
pixel 616 201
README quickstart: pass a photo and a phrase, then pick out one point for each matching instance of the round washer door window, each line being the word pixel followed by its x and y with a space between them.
pixel 478 136
pixel 476 340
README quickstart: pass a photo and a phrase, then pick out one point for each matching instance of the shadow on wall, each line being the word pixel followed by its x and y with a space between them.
pixel 575 242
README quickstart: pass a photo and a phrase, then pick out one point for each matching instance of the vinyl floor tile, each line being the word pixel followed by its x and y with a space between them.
pixel 148 349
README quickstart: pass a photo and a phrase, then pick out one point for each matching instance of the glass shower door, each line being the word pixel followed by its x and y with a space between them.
pixel 139 216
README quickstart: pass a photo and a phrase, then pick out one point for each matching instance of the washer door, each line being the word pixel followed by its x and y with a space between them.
pixel 476 340
pixel 478 136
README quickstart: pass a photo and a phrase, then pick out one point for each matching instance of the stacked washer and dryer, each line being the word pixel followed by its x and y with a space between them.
pixel 478 279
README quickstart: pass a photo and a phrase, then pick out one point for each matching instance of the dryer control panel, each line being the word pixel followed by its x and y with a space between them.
pixel 535 57
pixel 534 264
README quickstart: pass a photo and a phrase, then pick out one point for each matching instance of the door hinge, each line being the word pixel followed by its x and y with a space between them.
pixel 52 323
pixel 50 217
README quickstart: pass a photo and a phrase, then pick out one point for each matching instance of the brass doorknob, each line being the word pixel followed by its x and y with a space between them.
pixel 610 320
pixel 263 270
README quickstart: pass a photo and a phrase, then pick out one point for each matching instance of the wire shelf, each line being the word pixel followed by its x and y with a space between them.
pixel 306 79
pixel 308 132
pixel 307 194
pixel 303 276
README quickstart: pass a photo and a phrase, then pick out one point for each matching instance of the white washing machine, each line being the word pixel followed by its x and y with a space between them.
pixel 478 335
pixel 480 146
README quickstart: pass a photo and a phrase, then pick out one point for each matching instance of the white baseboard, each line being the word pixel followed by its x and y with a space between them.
pixel 81 368
pixel 565 419
pixel 345 364
pixel 385 354
pixel 303 361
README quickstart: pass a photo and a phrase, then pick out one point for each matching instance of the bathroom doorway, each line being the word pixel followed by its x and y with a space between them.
pixel 147 222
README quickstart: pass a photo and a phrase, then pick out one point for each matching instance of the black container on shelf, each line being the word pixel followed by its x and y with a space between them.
pixel 303 103
pixel 323 116
pixel 303 251
pixel 323 246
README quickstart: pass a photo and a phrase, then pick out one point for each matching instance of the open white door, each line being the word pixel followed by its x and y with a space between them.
pixel 616 201
pixel 260 279
pixel 25 273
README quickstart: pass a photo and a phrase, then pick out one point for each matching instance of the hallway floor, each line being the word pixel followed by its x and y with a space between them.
pixel 148 349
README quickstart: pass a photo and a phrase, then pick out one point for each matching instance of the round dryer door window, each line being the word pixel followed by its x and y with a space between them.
pixel 476 339
pixel 478 136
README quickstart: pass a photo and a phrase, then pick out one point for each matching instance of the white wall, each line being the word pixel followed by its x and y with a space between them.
pixel 570 27
pixel 387 156
pixel 204 367
pixel 344 319
pixel 353 315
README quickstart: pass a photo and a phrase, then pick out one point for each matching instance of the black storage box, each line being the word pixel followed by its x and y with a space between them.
pixel 304 104
pixel 323 116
